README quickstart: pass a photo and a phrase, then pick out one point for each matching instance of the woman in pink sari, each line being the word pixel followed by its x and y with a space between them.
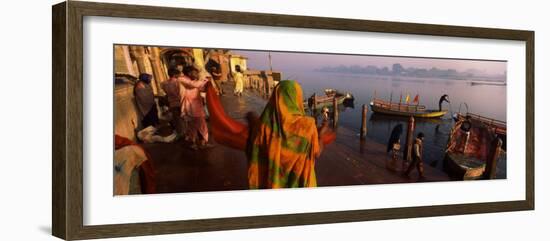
pixel 192 107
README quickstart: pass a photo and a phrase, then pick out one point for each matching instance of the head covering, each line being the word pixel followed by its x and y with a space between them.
pixel 145 78
pixel 394 136
pixel 283 147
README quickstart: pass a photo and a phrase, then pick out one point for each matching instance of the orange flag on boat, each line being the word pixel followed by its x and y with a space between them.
pixel 407 99
pixel 415 99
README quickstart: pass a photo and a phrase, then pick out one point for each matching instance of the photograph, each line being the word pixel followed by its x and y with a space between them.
pixel 175 119
pixel 197 119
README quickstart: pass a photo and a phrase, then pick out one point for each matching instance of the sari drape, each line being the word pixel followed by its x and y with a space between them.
pixel 282 149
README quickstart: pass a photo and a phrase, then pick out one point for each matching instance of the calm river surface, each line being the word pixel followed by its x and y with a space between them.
pixel 486 100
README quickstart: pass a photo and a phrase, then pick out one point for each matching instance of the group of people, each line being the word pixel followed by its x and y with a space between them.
pixel 183 93
pixel 281 144
pixel 184 100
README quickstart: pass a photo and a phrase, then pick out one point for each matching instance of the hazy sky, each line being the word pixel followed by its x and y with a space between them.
pixel 307 61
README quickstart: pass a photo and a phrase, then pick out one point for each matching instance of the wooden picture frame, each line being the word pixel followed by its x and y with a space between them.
pixel 67 75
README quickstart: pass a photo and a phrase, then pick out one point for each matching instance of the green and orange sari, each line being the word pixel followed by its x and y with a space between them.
pixel 282 148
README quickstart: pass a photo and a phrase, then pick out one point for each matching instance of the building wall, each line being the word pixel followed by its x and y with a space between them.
pixel 123 62
pixel 130 62
pixel 126 115
pixel 223 60
pixel 237 60
pixel 198 54
pixel 262 81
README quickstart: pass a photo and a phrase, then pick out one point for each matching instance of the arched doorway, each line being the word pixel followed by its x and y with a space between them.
pixel 177 57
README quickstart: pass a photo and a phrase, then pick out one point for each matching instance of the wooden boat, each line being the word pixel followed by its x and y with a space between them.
pixel 382 119
pixel 401 109
pixel 328 98
pixel 488 83
pixel 473 145
pixel 498 126
pixel 462 167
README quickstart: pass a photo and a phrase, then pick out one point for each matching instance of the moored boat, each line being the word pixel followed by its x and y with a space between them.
pixel 498 126
pixel 328 98
pixel 404 109
pixel 474 147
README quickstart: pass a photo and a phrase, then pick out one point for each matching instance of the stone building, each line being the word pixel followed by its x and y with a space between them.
pixel 133 60
pixel 262 81
pixel 238 60
pixel 130 62
pixel 219 58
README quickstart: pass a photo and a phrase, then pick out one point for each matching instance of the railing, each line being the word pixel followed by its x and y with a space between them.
pixel 500 126
pixel 321 99
pixel 398 106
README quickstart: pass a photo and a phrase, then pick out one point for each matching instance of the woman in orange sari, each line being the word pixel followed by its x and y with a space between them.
pixel 281 145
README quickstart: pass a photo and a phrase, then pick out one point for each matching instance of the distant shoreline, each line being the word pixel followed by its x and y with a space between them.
pixel 474 79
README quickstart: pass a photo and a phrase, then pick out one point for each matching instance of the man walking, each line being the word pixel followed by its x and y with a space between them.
pixel 417 156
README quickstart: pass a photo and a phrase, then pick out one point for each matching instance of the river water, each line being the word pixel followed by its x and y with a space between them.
pixel 486 100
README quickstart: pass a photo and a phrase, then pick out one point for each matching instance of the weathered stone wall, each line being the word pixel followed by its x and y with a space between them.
pixel 131 61
pixel 262 81
pixel 123 62
pixel 126 115
pixel 238 60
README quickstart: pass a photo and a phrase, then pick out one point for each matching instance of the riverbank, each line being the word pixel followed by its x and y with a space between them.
pixel 347 161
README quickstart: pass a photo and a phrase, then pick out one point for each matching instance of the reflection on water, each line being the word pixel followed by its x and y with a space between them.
pixel 486 100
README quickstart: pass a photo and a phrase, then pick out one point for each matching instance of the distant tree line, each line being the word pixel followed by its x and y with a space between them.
pixel 399 70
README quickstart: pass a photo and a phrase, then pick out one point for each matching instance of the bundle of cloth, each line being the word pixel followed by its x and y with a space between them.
pixel 130 157
pixel 149 135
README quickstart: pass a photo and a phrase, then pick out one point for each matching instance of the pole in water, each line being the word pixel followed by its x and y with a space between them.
pixel 270 63
pixel 491 166
pixel 400 97
pixel 314 104
pixel 407 154
pixel 335 112
pixel 364 122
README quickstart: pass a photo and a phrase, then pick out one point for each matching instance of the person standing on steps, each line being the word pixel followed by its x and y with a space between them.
pixel 192 108
pixel 172 89
pixel 238 77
